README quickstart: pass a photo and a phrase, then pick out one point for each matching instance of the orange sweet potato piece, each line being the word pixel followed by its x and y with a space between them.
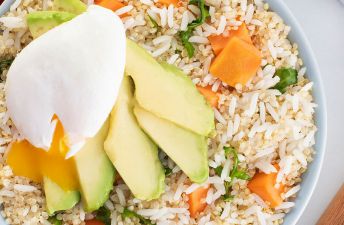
pixel 264 185
pixel 110 4
pixel 168 2
pixel 197 201
pixel 209 95
pixel 238 62
pixel 242 33
pixel 94 222
pixel 218 42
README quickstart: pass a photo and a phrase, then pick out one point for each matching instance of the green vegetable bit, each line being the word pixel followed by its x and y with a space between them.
pixel 185 35
pixel 234 174
pixel 168 171
pixel 288 76
pixel 131 214
pixel 218 170
pixel 154 23
pixel 227 197
pixel 54 221
pixel 103 214
pixel 5 64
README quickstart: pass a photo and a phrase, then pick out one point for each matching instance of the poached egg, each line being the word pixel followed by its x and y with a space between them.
pixel 72 72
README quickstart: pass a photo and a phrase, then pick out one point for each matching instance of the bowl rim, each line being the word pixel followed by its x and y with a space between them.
pixel 312 174
pixel 5 6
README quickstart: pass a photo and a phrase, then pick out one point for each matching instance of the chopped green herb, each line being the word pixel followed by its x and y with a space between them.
pixel 154 23
pixel 288 76
pixel 185 35
pixel 228 186
pixel 218 170
pixel 103 214
pixel 5 64
pixel 242 175
pixel 168 171
pixel 131 214
pixel 227 197
pixel 54 221
pixel 177 51
pixel 235 173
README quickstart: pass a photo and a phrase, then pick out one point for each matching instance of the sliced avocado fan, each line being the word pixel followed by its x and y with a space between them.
pixel 72 6
pixel 95 171
pixel 167 92
pixel 58 199
pixel 64 10
pixel 43 21
pixel 186 148
pixel 132 152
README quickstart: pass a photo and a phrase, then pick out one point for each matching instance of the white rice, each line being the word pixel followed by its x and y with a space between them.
pixel 249 14
pixel 264 152
pixel 170 16
pixel 161 50
pixel 285 205
pixel 121 196
pixel 146 2
pixel 225 170
pixel 15 5
pixel 259 200
pixel 163 17
pixel 124 10
pixel 24 188
pixel 12 22
pixel 164 39
pixel 222 25
pixel 226 211
pixel 219 117
pixel 173 59
pixel 210 194
pixel 192 188
pixel 185 21
pixel 292 191
pixel 194 9
pixel 198 39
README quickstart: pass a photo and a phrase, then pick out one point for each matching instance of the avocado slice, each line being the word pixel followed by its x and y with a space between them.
pixel 167 92
pixel 43 21
pixel 186 148
pixel 132 152
pixel 58 199
pixel 95 171
pixel 73 6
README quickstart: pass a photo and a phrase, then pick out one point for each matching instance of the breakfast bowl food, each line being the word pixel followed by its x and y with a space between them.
pixel 161 112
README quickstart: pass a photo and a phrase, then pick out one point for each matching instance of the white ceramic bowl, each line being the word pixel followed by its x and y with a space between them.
pixel 297 35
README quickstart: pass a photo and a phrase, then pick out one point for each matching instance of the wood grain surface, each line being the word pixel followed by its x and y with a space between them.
pixel 334 214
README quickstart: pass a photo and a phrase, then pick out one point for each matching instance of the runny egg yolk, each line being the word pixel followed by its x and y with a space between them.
pixel 34 163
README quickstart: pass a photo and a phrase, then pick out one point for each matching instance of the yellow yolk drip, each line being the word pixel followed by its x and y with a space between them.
pixel 34 163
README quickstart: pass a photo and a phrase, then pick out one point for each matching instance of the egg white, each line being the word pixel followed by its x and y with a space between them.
pixel 73 71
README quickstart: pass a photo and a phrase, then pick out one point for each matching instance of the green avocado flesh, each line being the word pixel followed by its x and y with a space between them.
pixel 186 148
pixel 72 6
pixel 43 21
pixel 95 171
pixel 132 152
pixel 57 199
pixel 167 92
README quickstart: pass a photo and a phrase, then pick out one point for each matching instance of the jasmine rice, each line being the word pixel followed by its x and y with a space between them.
pixel 265 126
